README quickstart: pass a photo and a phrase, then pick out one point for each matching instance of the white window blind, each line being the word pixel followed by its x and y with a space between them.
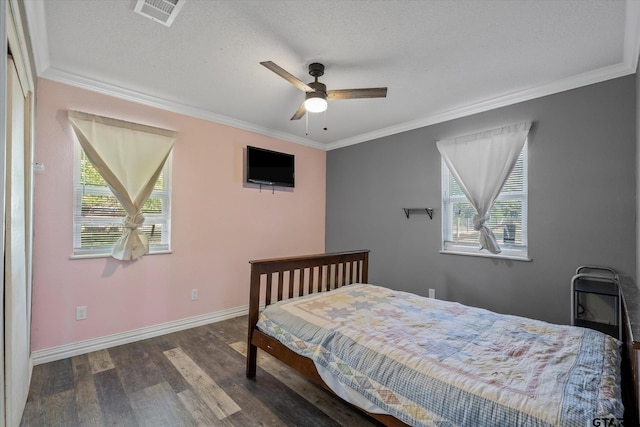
pixel 98 216
pixel 508 216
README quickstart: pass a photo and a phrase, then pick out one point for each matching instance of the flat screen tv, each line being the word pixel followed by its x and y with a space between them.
pixel 268 167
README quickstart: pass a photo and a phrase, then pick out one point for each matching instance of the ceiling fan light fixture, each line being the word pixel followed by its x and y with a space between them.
pixel 315 102
pixel 316 93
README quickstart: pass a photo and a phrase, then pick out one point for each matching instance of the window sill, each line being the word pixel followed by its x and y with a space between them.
pixel 91 256
pixel 488 255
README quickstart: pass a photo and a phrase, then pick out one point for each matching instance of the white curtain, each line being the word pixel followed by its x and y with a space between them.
pixel 481 163
pixel 130 157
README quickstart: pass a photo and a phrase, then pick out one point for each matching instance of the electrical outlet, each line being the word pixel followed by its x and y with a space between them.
pixel 81 312
pixel 432 293
pixel 194 294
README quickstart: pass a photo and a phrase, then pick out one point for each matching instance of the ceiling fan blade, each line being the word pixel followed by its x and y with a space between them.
pixel 287 76
pixel 372 92
pixel 299 112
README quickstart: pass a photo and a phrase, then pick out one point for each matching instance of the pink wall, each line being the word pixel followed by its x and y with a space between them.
pixel 218 224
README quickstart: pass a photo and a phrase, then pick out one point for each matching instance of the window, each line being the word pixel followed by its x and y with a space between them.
pixel 97 214
pixel 508 215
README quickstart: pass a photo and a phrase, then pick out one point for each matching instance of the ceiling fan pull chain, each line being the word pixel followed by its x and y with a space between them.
pixel 325 120
pixel 306 121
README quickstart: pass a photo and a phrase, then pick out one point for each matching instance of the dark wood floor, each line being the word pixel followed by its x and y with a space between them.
pixel 188 378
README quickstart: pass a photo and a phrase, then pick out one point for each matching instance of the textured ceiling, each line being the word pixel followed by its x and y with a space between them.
pixel 439 59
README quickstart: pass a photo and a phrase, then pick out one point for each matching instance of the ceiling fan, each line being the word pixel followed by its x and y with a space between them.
pixel 317 95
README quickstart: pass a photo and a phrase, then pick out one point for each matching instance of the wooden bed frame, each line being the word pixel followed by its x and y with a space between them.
pixel 273 280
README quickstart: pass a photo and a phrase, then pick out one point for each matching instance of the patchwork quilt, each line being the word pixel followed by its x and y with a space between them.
pixel 430 362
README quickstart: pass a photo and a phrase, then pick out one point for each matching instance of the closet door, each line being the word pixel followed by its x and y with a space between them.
pixel 16 309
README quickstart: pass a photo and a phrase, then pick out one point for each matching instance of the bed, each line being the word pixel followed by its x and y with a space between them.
pixel 319 315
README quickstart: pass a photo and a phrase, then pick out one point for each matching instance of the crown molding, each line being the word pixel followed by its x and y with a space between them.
pixel 37 26
pixel 16 37
pixel 584 79
pixel 574 82
pixel 164 104
pixel 632 34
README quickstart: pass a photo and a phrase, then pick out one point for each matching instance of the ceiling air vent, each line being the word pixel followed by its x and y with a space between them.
pixel 162 11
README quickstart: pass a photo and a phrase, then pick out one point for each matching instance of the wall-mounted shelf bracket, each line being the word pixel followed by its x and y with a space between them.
pixel 409 211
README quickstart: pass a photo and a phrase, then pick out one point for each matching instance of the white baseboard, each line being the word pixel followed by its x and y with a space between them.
pixel 81 347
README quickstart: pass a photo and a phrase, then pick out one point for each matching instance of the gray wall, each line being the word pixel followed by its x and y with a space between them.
pixel 582 206
pixel 637 174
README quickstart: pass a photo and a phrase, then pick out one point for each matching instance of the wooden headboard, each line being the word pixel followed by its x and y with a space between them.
pixel 283 278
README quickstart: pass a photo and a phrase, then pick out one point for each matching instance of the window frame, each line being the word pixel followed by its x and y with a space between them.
pixel 79 189
pixel 509 251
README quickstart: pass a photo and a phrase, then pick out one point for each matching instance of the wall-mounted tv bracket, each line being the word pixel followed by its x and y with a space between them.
pixel 265 183
pixel 409 211
pixel 273 187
